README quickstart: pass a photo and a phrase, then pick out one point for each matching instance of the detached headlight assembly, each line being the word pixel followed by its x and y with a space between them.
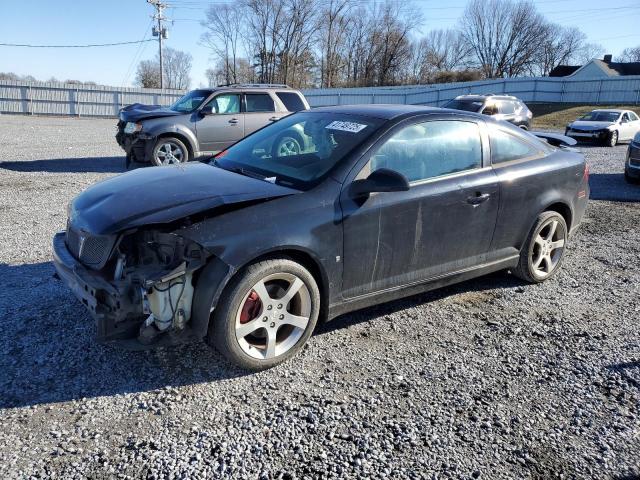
pixel 132 127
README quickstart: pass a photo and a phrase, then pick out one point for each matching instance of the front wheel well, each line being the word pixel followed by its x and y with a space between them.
pixel 183 138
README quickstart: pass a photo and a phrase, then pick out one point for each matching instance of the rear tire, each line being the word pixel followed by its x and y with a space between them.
pixel 266 314
pixel 169 151
pixel 543 251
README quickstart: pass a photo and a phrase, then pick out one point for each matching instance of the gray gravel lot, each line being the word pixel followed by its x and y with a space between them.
pixel 491 378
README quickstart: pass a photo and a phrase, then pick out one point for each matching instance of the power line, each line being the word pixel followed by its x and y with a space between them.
pixel 141 48
pixel 27 45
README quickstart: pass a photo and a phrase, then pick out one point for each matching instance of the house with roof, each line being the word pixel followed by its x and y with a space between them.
pixel 596 69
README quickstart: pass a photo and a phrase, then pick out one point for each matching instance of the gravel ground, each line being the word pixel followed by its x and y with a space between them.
pixel 488 379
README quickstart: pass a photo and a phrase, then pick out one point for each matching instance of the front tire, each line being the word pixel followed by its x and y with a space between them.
pixel 543 251
pixel 612 139
pixel 286 145
pixel 169 151
pixel 266 314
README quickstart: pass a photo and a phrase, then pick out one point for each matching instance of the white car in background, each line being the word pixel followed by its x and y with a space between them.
pixel 609 126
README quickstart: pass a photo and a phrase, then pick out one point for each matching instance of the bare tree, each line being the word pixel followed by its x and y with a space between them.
pixel 177 67
pixel 631 54
pixel 446 50
pixel 588 52
pixel 223 26
pixel 504 35
pixel 559 46
pixel 332 36
pixel 148 74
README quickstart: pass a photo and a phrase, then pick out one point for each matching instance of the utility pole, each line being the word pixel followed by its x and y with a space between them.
pixel 160 32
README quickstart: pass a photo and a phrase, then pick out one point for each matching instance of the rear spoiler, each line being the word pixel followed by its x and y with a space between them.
pixel 556 139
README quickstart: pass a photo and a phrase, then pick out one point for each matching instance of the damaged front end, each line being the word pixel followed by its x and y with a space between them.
pixel 135 284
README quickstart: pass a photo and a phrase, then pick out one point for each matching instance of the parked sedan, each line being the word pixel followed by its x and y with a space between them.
pixel 607 126
pixel 251 251
pixel 632 165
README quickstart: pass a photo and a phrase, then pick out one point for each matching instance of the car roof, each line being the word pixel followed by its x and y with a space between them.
pixel 390 111
pixel 473 96
pixel 612 110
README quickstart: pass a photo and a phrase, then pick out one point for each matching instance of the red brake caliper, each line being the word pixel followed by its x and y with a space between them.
pixel 251 307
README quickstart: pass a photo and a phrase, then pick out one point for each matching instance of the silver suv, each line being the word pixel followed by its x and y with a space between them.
pixel 501 107
pixel 205 121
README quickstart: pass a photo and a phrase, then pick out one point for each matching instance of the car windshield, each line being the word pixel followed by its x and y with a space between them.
pixel 596 116
pixel 299 150
pixel 190 101
pixel 466 105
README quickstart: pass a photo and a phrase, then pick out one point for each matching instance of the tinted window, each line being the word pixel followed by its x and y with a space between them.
pixel 467 105
pixel 506 147
pixel 625 118
pixel 316 142
pixel 601 116
pixel 190 101
pixel 225 103
pixel 507 107
pixel 633 116
pixel 431 149
pixel 260 102
pixel 292 101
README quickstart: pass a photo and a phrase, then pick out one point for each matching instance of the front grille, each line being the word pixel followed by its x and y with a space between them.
pixel 92 250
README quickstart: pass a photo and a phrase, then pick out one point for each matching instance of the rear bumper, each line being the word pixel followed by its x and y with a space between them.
pixel 116 309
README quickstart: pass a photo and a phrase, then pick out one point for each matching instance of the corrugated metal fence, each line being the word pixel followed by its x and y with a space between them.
pixel 622 90
pixel 38 98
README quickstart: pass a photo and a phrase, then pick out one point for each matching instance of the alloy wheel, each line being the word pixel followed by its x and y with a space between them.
pixel 169 153
pixel 273 316
pixel 288 146
pixel 547 248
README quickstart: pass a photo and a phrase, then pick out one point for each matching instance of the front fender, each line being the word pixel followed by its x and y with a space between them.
pixel 154 131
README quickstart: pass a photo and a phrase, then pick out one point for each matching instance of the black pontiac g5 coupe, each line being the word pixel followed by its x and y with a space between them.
pixel 251 251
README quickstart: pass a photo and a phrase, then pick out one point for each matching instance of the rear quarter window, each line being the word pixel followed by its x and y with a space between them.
pixel 506 147
pixel 291 101
pixel 260 102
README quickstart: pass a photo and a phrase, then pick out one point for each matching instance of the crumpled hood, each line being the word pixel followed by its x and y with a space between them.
pixel 590 125
pixel 163 194
pixel 138 111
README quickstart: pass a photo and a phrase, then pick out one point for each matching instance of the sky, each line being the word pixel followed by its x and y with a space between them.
pixel 611 23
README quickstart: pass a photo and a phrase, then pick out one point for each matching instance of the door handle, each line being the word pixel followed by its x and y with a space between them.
pixel 274 119
pixel 233 121
pixel 478 198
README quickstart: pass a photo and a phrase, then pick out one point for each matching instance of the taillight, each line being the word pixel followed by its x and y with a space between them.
pixel 585 177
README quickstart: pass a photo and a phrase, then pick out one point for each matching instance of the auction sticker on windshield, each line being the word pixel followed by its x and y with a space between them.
pixel 346 126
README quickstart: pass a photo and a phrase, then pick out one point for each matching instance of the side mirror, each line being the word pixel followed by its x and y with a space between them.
pixel 206 110
pixel 381 180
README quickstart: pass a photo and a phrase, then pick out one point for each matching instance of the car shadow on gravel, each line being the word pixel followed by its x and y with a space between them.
pixel 612 187
pixel 68 165
pixel 475 287
pixel 48 352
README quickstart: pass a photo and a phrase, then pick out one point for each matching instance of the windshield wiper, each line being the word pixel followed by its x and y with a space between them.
pixel 245 172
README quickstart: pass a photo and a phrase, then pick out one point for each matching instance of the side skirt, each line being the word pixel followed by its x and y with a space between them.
pixel 403 291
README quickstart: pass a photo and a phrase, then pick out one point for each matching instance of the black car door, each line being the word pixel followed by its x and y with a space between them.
pixel 444 223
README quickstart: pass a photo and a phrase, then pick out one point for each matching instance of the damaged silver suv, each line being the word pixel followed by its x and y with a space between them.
pixel 205 121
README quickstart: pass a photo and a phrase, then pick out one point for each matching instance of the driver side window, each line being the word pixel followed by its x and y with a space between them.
pixel 226 103
pixel 430 149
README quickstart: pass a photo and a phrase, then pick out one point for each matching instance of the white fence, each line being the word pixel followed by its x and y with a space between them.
pixel 622 90
pixel 37 98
